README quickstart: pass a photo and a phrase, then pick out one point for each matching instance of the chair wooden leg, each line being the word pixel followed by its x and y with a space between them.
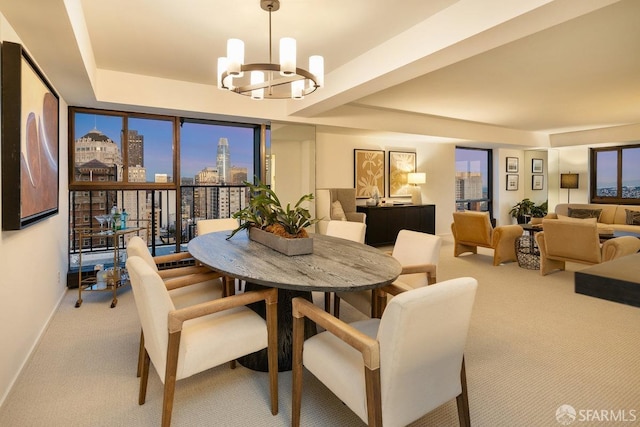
pixel 374 400
pixel 170 377
pixel 336 305
pixel 141 351
pixel 462 400
pixel 272 353
pixel 296 370
pixel 144 377
pixel 327 302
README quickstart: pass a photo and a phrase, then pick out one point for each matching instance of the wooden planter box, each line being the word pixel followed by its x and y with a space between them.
pixel 280 244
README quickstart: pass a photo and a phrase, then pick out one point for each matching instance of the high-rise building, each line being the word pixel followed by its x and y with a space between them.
pixel 135 145
pixel 238 175
pixel 223 161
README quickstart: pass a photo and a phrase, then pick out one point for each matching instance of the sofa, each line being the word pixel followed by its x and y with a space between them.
pixel 610 218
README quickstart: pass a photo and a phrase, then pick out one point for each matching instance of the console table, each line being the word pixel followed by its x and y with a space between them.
pixel 384 222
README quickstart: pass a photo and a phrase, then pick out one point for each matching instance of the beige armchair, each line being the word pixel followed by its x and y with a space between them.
pixel 327 209
pixel 390 371
pixel 578 241
pixel 183 342
pixel 472 229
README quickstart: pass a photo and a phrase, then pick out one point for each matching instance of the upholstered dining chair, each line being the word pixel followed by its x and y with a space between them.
pixel 349 230
pixel 418 253
pixel 577 240
pixel 394 370
pixel 472 229
pixel 205 226
pixel 184 342
pixel 187 286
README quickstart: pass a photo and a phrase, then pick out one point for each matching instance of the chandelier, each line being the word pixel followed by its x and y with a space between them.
pixel 272 81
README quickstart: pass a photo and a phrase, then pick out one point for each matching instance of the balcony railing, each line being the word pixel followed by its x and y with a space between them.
pixel 170 225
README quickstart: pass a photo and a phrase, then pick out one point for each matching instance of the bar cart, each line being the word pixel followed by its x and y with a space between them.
pixel 105 280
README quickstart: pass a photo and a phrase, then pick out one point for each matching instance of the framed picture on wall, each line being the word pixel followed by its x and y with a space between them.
pixel 537 182
pixel 512 165
pixel 368 168
pixel 400 164
pixel 29 141
pixel 536 165
pixel 512 182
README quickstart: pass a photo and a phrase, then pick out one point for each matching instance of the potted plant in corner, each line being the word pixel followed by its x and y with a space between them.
pixel 268 222
pixel 522 210
pixel 538 212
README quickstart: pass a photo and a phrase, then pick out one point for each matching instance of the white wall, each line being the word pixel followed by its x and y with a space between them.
pixel 334 168
pixel 33 263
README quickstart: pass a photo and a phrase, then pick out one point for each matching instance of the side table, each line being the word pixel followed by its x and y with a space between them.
pixel 527 252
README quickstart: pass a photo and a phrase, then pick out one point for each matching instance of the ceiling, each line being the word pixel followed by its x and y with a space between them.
pixel 495 71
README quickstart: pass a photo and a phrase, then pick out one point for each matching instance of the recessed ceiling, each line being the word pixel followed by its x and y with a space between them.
pixel 445 69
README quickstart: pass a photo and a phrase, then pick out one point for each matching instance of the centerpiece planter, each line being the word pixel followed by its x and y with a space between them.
pixel 269 223
pixel 295 246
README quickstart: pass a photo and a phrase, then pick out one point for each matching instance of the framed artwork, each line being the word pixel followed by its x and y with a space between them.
pixel 30 145
pixel 512 182
pixel 400 164
pixel 536 165
pixel 368 169
pixel 512 165
pixel 537 182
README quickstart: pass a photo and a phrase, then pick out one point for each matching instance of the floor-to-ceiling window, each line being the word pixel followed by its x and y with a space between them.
pixel 473 179
pixel 165 171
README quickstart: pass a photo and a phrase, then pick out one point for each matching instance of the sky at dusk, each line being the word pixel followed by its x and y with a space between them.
pixel 199 142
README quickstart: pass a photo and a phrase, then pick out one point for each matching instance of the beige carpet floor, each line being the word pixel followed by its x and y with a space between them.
pixel 533 346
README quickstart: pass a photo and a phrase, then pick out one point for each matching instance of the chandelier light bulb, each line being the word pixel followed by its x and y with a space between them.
pixel 316 67
pixel 297 89
pixel 235 57
pixel 257 77
pixel 287 56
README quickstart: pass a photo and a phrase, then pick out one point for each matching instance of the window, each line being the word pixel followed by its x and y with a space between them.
pixel 473 179
pixel 615 176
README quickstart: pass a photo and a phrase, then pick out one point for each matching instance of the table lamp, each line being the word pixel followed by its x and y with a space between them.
pixel 416 178
pixel 569 181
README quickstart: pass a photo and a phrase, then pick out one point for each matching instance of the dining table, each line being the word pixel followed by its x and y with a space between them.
pixel 335 265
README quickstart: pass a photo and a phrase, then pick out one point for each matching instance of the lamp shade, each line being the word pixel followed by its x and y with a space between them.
pixel 569 180
pixel 416 178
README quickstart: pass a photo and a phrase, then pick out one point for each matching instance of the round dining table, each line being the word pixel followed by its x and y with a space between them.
pixel 336 265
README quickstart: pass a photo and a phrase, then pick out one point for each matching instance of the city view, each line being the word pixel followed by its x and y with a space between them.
pixel 215 160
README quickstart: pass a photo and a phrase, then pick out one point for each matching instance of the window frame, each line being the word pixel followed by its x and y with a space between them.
pixel 489 198
pixel 593 173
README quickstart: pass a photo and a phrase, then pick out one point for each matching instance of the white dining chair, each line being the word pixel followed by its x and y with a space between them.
pixel 417 252
pixel 205 226
pixel 394 370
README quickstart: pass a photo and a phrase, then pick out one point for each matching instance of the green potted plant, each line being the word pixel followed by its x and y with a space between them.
pixel 539 211
pixel 521 210
pixel 269 223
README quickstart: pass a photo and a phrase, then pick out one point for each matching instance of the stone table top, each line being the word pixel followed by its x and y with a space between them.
pixel 335 265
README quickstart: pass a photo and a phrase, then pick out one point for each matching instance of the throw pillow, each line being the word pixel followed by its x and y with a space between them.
pixel 568 218
pixel 585 213
pixel 633 217
pixel 337 212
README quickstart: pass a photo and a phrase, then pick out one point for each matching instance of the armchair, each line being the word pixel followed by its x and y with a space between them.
pixel 472 229
pixel 183 342
pixel 417 252
pixel 390 371
pixel 187 286
pixel 327 209
pixel 578 241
